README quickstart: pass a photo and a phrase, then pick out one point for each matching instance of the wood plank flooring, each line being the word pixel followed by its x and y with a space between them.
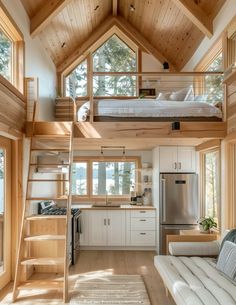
pixel 99 263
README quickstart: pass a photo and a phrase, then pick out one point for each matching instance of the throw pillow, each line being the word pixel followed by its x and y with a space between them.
pixel 179 95
pixel 201 98
pixel 163 96
pixel 227 260
pixel 190 94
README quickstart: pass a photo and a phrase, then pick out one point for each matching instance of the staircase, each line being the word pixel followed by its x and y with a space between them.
pixel 49 178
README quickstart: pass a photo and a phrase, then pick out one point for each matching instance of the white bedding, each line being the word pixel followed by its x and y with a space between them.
pixel 149 108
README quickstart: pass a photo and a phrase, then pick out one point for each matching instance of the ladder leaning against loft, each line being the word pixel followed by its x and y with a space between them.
pixel 53 139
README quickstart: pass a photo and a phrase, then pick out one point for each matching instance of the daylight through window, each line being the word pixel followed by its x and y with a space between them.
pixel 5 56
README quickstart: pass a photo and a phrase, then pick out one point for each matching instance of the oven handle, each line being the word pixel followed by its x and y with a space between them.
pixel 79 225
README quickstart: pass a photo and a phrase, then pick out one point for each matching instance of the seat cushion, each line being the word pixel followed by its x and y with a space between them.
pixel 195 280
pixel 211 248
pixel 227 260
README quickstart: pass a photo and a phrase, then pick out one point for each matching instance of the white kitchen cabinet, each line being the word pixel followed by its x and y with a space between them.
pixel 104 228
pixel 177 159
pixel 142 228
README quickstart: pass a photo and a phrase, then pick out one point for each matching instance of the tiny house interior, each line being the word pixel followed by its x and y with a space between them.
pixel 117 137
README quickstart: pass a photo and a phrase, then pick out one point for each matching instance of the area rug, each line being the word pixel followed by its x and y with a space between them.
pixel 110 290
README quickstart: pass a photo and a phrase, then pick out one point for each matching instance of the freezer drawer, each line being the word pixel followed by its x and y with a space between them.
pixel 171 230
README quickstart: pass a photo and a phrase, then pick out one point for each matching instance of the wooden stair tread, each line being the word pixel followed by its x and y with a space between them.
pixel 48 180
pixel 47 198
pixel 49 217
pixel 45 237
pixel 43 261
pixel 51 164
pixel 51 149
pixel 41 284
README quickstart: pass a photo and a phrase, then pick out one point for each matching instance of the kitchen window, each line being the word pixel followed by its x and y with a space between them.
pixel 96 178
pixel 211 184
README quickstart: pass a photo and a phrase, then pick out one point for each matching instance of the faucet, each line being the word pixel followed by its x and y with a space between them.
pixel 106 200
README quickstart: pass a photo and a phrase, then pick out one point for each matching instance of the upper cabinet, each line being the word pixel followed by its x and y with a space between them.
pixel 179 159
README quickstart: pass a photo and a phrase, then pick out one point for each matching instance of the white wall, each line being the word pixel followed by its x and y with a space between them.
pixel 227 12
pixel 37 61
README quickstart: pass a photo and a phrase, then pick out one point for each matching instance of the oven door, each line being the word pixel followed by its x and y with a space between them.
pixel 75 238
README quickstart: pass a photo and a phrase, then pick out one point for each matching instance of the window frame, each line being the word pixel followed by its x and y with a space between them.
pixel 89 161
pixel 88 56
pixel 11 30
pixel 203 183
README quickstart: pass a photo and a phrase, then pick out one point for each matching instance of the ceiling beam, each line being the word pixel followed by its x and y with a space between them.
pixel 196 15
pixel 114 7
pixel 83 49
pixel 141 41
pixel 45 14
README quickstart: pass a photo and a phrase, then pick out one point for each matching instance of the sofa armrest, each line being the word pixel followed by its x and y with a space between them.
pixel 208 248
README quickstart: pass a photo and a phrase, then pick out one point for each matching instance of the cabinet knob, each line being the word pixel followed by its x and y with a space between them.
pixel 105 222
pixel 142 233
pixel 175 165
pixel 142 211
pixel 108 221
pixel 142 219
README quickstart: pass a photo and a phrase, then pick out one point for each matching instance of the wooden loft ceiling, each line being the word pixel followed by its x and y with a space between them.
pixel 173 28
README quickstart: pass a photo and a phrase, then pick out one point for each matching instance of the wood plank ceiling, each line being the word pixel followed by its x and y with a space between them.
pixel 174 28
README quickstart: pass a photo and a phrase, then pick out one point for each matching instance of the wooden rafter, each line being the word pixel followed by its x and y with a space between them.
pixel 196 15
pixel 83 50
pixel 114 7
pixel 46 14
pixel 141 41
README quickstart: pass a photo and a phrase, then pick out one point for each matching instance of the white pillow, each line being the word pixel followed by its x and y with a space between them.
pixel 179 95
pixel 163 96
pixel 190 94
pixel 201 98
pixel 227 260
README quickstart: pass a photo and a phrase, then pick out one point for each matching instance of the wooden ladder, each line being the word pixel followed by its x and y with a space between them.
pixel 48 141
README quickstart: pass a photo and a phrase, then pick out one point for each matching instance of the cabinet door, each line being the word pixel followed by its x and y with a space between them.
pixel 168 159
pixel 186 159
pixel 115 228
pixel 97 228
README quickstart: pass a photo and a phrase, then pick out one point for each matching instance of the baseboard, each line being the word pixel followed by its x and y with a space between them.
pixel 118 248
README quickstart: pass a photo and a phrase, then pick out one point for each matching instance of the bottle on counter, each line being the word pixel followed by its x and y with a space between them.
pixel 133 197
pixel 147 196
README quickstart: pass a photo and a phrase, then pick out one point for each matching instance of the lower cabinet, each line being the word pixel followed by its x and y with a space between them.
pixel 103 228
pixel 118 228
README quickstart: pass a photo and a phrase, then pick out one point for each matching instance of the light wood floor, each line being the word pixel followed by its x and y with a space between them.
pixel 100 262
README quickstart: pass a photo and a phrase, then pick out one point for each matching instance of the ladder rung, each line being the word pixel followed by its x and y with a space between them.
pixel 47 165
pixel 50 149
pixel 45 217
pixel 45 237
pixel 41 284
pixel 47 198
pixel 43 261
pixel 48 180
pixel 52 136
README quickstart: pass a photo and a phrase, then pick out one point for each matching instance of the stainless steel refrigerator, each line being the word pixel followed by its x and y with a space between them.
pixel 179 207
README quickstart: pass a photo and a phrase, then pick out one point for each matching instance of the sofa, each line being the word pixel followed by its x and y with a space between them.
pixel 195 280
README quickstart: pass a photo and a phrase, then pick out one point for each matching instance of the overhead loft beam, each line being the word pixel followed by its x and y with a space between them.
pixel 141 41
pixel 114 7
pixel 196 15
pixel 83 50
pixel 44 16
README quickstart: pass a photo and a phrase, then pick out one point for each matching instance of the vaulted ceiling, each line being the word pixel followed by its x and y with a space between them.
pixel 172 29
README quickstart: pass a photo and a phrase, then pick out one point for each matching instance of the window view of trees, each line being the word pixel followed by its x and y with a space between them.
pixel 212 184
pixel 114 56
pixel 79 178
pixel 5 56
pixel 113 178
pixel 213 83
pixel 76 81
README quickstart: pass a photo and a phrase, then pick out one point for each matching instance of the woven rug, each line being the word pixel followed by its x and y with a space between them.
pixel 110 290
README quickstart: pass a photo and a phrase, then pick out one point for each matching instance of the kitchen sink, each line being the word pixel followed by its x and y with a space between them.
pixel 103 205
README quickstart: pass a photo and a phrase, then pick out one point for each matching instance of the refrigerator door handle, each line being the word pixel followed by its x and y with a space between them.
pixel 163 184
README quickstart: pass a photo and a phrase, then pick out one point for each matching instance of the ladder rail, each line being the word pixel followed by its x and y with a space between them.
pixel 68 220
pixel 23 221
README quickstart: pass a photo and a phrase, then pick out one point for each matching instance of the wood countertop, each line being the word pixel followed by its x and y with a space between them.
pixel 121 207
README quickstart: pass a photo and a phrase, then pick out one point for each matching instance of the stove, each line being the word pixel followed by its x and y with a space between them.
pixel 50 208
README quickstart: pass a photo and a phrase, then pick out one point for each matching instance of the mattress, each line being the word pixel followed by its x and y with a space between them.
pixel 195 281
pixel 149 108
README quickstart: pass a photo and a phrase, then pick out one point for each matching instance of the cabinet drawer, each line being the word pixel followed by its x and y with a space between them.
pixel 142 238
pixel 143 213
pixel 143 223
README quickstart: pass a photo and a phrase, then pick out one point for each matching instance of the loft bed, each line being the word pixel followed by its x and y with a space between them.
pixel 179 97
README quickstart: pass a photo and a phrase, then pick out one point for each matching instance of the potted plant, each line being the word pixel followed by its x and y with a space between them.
pixel 206 223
